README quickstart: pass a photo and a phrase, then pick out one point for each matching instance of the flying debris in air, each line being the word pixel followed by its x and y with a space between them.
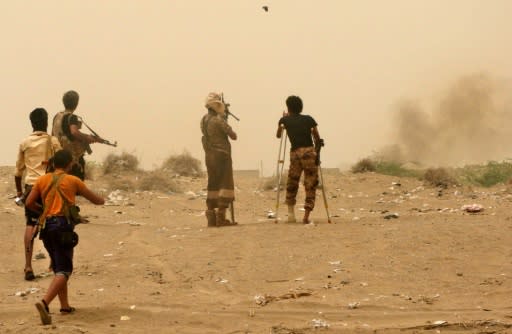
pixel 265 8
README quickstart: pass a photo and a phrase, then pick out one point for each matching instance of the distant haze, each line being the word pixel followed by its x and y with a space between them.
pixel 143 69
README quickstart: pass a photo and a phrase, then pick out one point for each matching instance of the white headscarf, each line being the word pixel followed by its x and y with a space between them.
pixel 214 101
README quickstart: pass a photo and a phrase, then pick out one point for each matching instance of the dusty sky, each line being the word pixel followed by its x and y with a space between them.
pixel 143 68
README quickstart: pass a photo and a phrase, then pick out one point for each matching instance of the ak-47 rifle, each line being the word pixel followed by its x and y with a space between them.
pixel 228 113
pixel 98 137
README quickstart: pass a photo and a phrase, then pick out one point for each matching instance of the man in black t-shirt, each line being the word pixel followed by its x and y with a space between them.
pixel 304 137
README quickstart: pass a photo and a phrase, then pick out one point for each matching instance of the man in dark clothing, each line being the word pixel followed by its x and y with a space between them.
pixel 66 127
pixel 217 148
pixel 304 137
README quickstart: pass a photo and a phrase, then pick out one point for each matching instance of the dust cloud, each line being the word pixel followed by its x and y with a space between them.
pixel 470 122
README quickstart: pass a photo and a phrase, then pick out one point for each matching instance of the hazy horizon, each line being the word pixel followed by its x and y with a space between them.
pixel 143 69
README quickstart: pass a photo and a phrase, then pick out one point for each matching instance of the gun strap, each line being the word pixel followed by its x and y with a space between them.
pixel 56 179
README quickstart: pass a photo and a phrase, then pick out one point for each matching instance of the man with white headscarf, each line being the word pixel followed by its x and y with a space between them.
pixel 216 134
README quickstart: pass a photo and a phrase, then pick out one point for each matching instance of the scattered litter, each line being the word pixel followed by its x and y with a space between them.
pixel 353 306
pixel 115 198
pixel 26 292
pixel 299 279
pixel 108 255
pixel 392 216
pixel 118 212
pixel 132 307
pixel 131 223
pixel 125 318
pixel 472 208
pixel 271 214
pixel 263 300
pixel 319 323
pixel 221 280
pixel 335 263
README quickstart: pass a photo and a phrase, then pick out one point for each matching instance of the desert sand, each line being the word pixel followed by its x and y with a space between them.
pixel 146 263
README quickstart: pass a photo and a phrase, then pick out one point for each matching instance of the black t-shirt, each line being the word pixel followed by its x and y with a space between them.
pixel 298 128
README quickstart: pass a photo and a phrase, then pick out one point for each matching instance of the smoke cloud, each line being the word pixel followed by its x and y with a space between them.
pixel 471 122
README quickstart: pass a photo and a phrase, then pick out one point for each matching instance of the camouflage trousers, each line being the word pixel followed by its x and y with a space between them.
pixel 302 159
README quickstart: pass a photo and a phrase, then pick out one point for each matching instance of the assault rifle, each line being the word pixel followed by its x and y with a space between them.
pixel 228 113
pixel 98 137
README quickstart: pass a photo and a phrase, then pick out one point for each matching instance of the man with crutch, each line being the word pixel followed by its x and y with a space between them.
pixel 304 137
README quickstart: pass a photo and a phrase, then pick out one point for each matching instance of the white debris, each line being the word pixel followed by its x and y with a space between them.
pixel 319 323
pixel 472 208
pixel 335 263
pixel 353 306
pixel 132 307
pixel 125 318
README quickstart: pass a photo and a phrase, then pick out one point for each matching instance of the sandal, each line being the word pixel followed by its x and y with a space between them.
pixel 44 312
pixel 29 275
pixel 68 310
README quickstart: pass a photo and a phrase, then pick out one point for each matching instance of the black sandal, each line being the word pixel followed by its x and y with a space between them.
pixel 68 310
pixel 29 275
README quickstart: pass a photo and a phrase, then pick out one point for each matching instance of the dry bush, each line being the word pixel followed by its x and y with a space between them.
pixel 121 183
pixel 117 163
pixel 363 166
pixel 439 177
pixel 183 164
pixel 157 181
pixel 93 170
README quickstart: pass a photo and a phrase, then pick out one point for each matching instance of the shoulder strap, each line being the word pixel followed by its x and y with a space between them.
pixel 52 189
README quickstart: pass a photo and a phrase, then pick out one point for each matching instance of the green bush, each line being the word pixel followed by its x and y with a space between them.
pixel 486 175
pixel 363 166
pixel 395 169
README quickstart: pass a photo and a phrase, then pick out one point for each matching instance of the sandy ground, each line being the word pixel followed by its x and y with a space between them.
pixel 146 263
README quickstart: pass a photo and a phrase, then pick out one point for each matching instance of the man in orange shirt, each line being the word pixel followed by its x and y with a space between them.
pixel 58 191
pixel 33 155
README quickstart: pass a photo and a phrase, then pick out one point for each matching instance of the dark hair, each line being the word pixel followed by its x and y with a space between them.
pixel 62 159
pixel 70 100
pixel 39 119
pixel 294 104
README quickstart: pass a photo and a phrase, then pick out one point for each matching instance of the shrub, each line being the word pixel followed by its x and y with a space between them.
pixel 439 177
pixel 394 169
pixel 121 183
pixel 363 166
pixel 157 181
pixel 183 164
pixel 488 175
pixel 116 163
pixel 92 170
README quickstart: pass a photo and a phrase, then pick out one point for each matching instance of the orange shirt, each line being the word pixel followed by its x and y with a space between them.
pixel 69 186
